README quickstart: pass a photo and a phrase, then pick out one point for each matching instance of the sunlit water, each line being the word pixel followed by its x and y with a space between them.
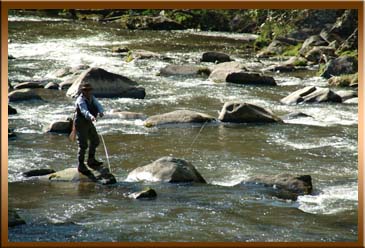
pixel 324 146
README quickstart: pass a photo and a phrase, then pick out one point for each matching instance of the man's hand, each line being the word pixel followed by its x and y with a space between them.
pixel 101 114
pixel 93 118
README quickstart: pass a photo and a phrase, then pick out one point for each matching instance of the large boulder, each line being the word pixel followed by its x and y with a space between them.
pixel 14 219
pixel 166 169
pixel 183 70
pixel 320 54
pixel 215 57
pixel 287 185
pixel 28 85
pixel 11 110
pixel 339 66
pixel 177 117
pixel 107 84
pixel 241 112
pixel 23 95
pixel 60 127
pixel 311 94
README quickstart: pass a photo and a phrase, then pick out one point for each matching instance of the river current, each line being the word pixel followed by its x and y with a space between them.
pixel 325 146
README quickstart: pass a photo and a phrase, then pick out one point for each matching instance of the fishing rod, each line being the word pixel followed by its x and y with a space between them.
pixel 201 129
pixel 106 151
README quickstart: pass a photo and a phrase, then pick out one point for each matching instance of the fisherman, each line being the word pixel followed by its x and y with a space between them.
pixel 87 109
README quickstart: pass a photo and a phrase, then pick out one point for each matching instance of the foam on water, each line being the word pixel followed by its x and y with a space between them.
pixel 331 200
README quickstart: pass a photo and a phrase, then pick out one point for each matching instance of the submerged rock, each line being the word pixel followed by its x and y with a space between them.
pixel 107 84
pixel 166 169
pixel 241 112
pixel 295 115
pixel 126 115
pixel 215 57
pixel 311 94
pixel 144 194
pixel 23 95
pixel 184 70
pixel 11 110
pixel 176 117
pixel 287 185
pixel 14 219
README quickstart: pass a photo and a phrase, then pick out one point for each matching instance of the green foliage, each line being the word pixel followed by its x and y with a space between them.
pixel 351 53
pixel 292 50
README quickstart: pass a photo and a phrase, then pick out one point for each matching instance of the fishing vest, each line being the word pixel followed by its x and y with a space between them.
pixel 90 106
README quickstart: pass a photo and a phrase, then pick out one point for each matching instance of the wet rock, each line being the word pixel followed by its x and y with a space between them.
pixel 290 186
pixel 28 85
pixel 178 117
pixel 14 219
pixel 23 95
pixel 11 110
pixel 142 54
pixel 144 194
pixel 280 68
pixel 11 133
pixel 344 80
pixel 312 41
pixel 346 94
pixel 52 86
pixel 73 175
pixel 320 54
pixel 184 70
pixel 120 49
pixel 166 169
pixel 228 66
pixel 354 100
pixel 60 127
pixel 339 66
pixel 107 84
pixel 311 94
pixel 128 115
pixel 241 112
pixel 215 57
pixel 38 172
pixel 241 77
pixel 67 83
pixel 10 57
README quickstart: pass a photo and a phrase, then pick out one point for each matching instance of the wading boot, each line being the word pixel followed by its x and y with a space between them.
pixel 94 164
pixel 85 171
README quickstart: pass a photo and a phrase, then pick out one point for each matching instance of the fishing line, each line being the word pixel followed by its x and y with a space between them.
pixel 106 152
pixel 201 129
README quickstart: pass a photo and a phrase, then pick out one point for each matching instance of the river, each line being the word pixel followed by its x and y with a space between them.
pixel 325 146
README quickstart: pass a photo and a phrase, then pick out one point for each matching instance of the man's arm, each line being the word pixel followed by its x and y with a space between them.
pixel 83 109
pixel 98 106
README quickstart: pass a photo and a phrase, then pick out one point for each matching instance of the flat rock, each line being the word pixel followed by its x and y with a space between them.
pixel 107 84
pixel 166 169
pixel 311 94
pixel 177 117
pixel 241 112
pixel 183 70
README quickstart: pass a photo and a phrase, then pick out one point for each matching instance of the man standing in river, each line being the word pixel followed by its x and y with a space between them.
pixel 87 109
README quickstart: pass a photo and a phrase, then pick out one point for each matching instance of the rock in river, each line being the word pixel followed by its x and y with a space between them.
pixel 14 218
pixel 60 127
pixel 184 70
pixel 176 117
pixel 107 84
pixel 215 57
pixel 311 94
pixel 341 65
pixel 166 169
pixel 144 194
pixel 241 77
pixel 290 186
pixel 23 95
pixel 241 112
pixel 28 85
pixel 11 110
